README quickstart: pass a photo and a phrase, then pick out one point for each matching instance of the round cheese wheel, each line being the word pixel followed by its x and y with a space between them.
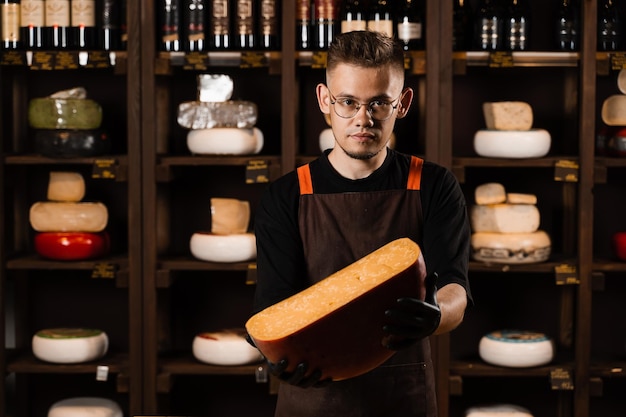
pixel 621 81
pixel 614 110
pixel 52 216
pixel 229 216
pixel 210 247
pixel 64 113
pixel 619 245
pixel 70 345
pixel 67 143
pixel 66 186
pixel 327 139
pixel 497 410
pixel 226 347
pixel 85 407
pixel 516 348
pixel 534 143
pixel 225 141
pixel 505 218
pixel 490 193
pixel 511 248
pixel 72 246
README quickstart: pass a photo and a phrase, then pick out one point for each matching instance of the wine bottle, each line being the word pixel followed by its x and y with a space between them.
pixel 326 22
pixel 380 17
pixel 489 26
pixel 108 25
pixel 245 20
pixel 517 26
pixel 462 26
pixel 83 24
pixel 57 24
pixel 123 25
pixel 194 17
pixel 10 23
pixel 410 25
pixel 610 30
pixel 353 16
pixel 303 25
pixel 170 32
pixel 567 26
pixel 269 27
pixel 31 23
pixel 219 25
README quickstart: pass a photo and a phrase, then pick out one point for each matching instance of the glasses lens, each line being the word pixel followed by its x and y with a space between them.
pixel 348 109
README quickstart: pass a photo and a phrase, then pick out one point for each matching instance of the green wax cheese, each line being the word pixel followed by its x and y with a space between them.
pixel 64 113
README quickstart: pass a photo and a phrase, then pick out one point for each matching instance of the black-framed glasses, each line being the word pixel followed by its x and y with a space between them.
pixel 347 108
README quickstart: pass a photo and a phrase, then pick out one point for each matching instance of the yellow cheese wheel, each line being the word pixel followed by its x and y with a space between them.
pixel 52 216
pixel 66 186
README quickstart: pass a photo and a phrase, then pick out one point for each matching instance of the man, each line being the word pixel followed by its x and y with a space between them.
pixel 360 198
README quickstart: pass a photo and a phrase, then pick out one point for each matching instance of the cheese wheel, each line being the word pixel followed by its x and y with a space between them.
pixel 505 218
pixel 516 348
pixel 336 325
pixel 66 143
pixel 490 193
pixel 214 114
pixel 69 345
pixel 534 143
pixel 520 198
pixel 51 216
pixel 497 410
pixel 225 347
pixel 225 141
pixel 64 113
pixel 66 186
pixel 85 407
pixel 71 246
pixel 229 216
pixel 508 115
pixel 621 81
pixel 614 110
pixel 210 247
pixel 511 248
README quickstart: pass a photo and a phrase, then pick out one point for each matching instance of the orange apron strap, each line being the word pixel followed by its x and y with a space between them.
pixel 304 178
pixel 415 173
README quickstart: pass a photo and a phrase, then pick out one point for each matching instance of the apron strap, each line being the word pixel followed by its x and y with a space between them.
pixel 304 178
pixel 415 173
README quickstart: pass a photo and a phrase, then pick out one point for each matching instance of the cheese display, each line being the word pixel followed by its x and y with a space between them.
pixel 229 216
pixel 508 115
pixel 210 247
pixel 67 109
pixel 85 407
pixel 53 216
pixel 225 347
pixel 69 345
pixel 66 143
pixel 516 348
pixel 519 144
pixel 225 141
pixel 497 410
pixel 317 324
pixel 71 246
pixel 66 186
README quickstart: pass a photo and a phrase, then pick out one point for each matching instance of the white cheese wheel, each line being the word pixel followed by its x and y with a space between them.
pixel 225 141
pixel 69 345
pixel 534 143
pixel 52 216
pixel 505 218
pixel 511 248
pixel 508 115
pixel 66 186
pixel 521 198
pixel 229 216
pixel 85 407
pixel 327 139
pixel 614 110
pixel 210 247
pixel 497 410
pixel 516 348
pixel 490 193
pixel 621 81
pixel 226 347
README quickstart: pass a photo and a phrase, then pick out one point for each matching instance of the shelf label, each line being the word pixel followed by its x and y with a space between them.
pixel 13 58
pixel 196 61
pixel 566 171
pixel 102 373
pixel 501 59
pixel 98 59
pixel 561 379
pixel 251 275
pixel 566 275
pixel 618 61
pixel 318 59
pixel 253 60
pixel 66 60
pixel 42 61
pixel 103 169
pixel 257 171
pixel 261 374
pixel 103 271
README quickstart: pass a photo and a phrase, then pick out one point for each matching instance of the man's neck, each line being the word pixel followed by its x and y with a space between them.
pixel 352 168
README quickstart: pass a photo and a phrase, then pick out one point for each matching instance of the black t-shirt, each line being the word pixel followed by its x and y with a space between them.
pixel 281 269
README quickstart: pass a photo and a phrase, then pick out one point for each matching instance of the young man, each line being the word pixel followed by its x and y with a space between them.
pixel 361 199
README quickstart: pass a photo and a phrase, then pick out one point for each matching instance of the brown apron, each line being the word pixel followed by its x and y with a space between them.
pixel 336 230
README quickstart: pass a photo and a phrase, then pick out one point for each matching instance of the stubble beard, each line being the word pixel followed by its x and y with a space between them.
pixel 361 156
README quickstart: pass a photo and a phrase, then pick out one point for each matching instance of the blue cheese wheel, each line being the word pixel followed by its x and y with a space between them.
pixel 64 113
pixel 69 345
pixel 85 407
pixel 516 348
pixel 70 143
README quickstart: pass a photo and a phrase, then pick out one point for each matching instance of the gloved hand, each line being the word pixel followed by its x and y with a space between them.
pixel 297 377
pixel 412 319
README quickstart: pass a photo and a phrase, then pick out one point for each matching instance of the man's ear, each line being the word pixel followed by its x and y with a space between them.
pixel 405 102
pixel 323 98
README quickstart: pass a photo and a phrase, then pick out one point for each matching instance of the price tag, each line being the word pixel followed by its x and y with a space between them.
pixel 253 60
pixel 103 169
pixel 257 172
pixel 251 275
pixel 13 58
pixel 261 374
pixel 318 59
pixel 566 171
pixel 42 61
pixel 102 373
pixel 561 379
pixel 618 61
pixel 196 61
pixel 103 271
pixel 98 59
pixel 566 275
pixel 66 60
pixel 501 59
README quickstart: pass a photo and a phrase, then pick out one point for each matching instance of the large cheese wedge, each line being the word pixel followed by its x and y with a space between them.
pixel 66 143
pixel 225 347
pixel 511 248
pixel 69 345
pixel 614 110
pixel 534 143
pixel 225 141
pixel 508 115
pixel 497 410
pixel 229 216
pixel 72 246
pixel 516 348
pixel 66 186
pixel 85 407
pixel 64 113
pixel 210 247
pixel 51 216
pixel 490 193
pixel 336 324
pixel 505 218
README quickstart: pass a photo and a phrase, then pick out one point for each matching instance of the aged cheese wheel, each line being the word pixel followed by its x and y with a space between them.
pixel 534 143
pixel 64 113
pixel 511 248
pixel 222 114
pixel 66 186
pixel 490 193
pixel 52 216
pixel 72 246
pixel 614 110
pixel 497 410
pixel 229 216
pixel 66 143
pixel 225 141
pixel 521 198
pixel 336 324
pixel 508 115
pixel 516 348
pixel 225 347
pixel 70 345
pixel 210 247
pixel 505 218
pixel 85 407
pixel 621 81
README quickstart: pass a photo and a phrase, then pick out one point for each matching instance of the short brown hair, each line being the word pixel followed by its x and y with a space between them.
pixel 366 49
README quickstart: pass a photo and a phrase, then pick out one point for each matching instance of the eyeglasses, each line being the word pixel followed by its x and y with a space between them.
pixel 347 108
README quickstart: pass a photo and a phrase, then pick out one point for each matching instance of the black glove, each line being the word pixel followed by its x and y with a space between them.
pixel 297 377
pixel 412 319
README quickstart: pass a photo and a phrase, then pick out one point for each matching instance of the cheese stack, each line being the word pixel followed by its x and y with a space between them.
pixel 67 124
pixel 510 132
pixel 612 140
pixel 219 125
pixel 69 229
pixel 505 227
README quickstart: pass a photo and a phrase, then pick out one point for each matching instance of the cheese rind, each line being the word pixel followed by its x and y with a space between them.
pixel 505 218
pixel 66 186
pixel 508 115
pixel 534 143
pixel 225 141
pixel 52 216
pixel 490 193
pixel 69 345
pixel 225 347
pixel 85 406
pixel 64 113
pixel 511 248
pixel 516 348
pixel 239 247
pixel 497 410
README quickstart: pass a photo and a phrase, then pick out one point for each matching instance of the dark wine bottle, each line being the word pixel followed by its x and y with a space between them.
pixel 304 25
pixel 108 25
pixel 83 24
pixel 517 26
pixel 245 25
pixel 489 26
pixel 567 29
pixel 57 24
pixel 463 20
pixel 353 16
pixel 123 25
pixel 170 32
pixel 610 27
pixel 32 23
pixel 219 25
pixel 269 25
pixel 325 23
pixel 10 24
pixel 194 18
pixel 380 18
pixel 410 24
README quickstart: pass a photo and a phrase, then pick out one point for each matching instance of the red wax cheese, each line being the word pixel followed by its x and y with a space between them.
pixel 71 246
pixel 336 325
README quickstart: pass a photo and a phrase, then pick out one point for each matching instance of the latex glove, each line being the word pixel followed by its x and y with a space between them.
pixel 297 377
pixel 412 319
